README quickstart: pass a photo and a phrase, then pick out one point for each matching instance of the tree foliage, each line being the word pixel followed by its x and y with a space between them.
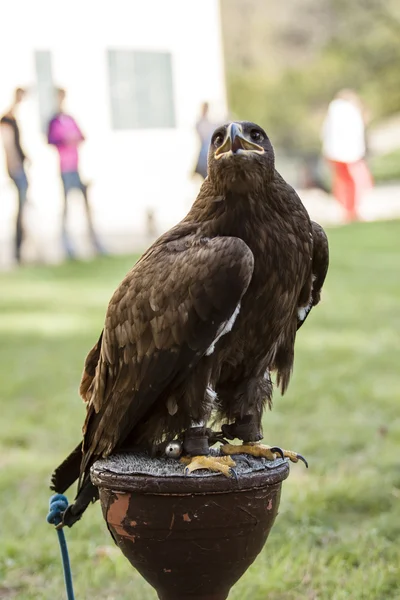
pixel 286 60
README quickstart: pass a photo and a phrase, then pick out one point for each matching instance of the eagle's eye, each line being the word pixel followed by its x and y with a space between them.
pixel 217 139
pixel 256 135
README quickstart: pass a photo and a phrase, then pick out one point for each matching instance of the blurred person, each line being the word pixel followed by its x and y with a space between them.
pixel 15 160
pixel 65 134
pixel 204 128
pixel 344 147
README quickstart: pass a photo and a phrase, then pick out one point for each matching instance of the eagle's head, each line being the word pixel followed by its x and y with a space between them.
pixel 240 156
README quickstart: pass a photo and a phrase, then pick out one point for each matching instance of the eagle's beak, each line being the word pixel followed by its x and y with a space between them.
pixel 236 143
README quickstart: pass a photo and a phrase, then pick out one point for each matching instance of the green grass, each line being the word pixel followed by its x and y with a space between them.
pixel 386 167
pixel 336 536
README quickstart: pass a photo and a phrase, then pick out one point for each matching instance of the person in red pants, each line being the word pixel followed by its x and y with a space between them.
pixel 344 148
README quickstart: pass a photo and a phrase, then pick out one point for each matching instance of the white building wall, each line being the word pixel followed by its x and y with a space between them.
pixel 133 170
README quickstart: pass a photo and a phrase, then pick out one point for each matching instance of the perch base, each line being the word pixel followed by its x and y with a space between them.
pixel 190 537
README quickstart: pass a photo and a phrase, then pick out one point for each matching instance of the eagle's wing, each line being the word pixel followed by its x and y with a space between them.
pixel 162 319
pixel 89 370
pixel 320 263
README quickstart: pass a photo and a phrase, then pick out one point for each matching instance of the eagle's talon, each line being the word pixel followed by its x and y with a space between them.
pixel 217 464
pixel 300 457
pixel 233 473
pixel 262 451
pixel 295 457
pixel 277 450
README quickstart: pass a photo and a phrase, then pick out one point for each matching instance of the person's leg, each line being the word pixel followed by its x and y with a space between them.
pixel 21 183
pixel 362 182
pixel 338 187
pixel 350 200
pixel 93 236
pixel 343 187
pixel 66 241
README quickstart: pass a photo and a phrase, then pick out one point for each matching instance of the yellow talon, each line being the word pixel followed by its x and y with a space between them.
pixel 257 450
pixel 261 450
pixel 221 464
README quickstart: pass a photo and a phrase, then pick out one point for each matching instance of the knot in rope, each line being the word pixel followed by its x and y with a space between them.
pixel 57 505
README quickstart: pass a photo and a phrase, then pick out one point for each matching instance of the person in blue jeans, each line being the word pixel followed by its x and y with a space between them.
pixel 65 134
pixel 15 160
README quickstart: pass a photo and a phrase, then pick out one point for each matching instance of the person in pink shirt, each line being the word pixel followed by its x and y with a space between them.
pixel 65 134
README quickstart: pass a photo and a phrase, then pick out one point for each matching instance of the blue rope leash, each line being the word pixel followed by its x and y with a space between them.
pixel 58 504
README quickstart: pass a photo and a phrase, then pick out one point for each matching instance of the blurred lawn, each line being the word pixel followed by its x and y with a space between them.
pixel 337 533
pixel 386 167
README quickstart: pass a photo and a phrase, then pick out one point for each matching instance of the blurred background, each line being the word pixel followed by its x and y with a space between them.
pixel 101 150
pixel 136 78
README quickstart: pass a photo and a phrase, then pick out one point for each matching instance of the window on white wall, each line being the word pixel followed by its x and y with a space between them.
pixel 45 86
pixel 141 88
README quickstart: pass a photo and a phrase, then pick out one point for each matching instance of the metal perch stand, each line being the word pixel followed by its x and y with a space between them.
pixel 192 537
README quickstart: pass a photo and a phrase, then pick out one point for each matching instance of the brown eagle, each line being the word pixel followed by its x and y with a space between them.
pixel 197 326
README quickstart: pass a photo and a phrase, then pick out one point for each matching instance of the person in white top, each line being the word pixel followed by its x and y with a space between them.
pixel 343 146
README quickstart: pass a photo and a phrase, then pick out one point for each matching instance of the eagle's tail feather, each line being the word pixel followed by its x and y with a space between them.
pixel 68 472
pixel 64 476
pixel 282 379
pixel 88 493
